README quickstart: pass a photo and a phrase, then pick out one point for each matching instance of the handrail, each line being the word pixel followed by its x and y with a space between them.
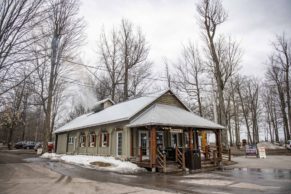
pixel 180 157
pixel 161 159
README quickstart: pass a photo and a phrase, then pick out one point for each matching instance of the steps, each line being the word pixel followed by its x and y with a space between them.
pixel 171 167
pixel 207 164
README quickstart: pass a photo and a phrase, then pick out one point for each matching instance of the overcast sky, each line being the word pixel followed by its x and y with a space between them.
pixel 168 24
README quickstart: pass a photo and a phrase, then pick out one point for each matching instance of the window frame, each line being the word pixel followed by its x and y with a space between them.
pixel 104 143
pixel 91 136
pixel 71 140
pixel 83 138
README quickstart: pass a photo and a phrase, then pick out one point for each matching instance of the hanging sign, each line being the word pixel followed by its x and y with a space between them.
pixel 262 152
pixel 176 130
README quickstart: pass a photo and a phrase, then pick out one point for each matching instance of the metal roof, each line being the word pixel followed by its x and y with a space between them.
pixel 115 113
pixel 166 115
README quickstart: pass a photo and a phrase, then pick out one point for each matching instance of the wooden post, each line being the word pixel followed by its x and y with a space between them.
pixel 190 133
pixel 140 154
pixel 195 140
pixel 214 157
pixel 183 159
pixel 229 155
pixel 176 155
pixel 131 142
pixel 153 146
pixel 218 144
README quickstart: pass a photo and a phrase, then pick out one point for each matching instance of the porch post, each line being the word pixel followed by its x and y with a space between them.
pixel 153 146
pixel 131 142
pixel 190 131
pixel 195 139
pixel 218 143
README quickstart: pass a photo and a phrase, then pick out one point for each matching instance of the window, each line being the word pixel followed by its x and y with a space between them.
pixel 119 143
pixel 92 139
pixel 71 140
pixel 82 139
pixel 104 139
pixel 186 139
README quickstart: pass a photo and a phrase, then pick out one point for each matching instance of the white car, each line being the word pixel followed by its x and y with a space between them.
pixel 288 145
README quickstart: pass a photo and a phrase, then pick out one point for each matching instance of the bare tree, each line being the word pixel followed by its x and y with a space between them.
pixel 224 58
pixel 63 34
pixel 123 55
pixel 110 57
pixel 276 76
pixel 190 72
pixel 18 18
pixel 282 58
pixel 134 51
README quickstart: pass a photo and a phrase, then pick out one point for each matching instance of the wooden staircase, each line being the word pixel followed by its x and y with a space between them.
pixel 171 166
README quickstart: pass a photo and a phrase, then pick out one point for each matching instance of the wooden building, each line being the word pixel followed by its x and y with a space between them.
pixel 155 131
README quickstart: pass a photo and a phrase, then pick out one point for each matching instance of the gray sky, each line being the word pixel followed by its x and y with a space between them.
pixel 168 24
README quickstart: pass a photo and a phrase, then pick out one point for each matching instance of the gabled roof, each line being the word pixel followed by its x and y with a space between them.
pixel 172 116
pixel 157 114
pixel 116 113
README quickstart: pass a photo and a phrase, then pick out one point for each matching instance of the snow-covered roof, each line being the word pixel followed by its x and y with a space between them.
pixel 116 113
pixel 166 115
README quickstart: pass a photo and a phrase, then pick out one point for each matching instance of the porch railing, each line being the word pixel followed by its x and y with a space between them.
pixel 180 157
pixel 161 160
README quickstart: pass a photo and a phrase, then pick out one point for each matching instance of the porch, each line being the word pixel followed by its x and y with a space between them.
pixel 166 134
pixel 166 148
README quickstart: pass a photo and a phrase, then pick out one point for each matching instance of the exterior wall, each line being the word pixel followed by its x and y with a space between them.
pixel 169 99
pixel 72 147
pixel 62 143
pixel 110 150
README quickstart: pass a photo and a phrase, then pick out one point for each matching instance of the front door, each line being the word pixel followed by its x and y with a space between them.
pixel 143 142
pixel 119 143
pixel 175 140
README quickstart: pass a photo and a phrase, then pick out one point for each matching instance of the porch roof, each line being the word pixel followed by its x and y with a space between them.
pixel 165 115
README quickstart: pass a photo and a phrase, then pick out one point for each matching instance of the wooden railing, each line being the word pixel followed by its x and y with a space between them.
pixel 180 157
pixel 141 157
pixel 161 160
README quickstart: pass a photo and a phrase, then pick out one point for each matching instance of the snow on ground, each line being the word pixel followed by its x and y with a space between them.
pixel 83 160
pixel 269 145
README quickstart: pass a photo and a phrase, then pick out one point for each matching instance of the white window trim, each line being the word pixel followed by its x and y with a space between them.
pixel 83 142
pixel 119 132
pixel 71 140
pixel 139 140
pixel 92 142
pixel 102 140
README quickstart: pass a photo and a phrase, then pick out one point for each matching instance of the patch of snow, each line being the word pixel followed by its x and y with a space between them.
pixel 253 186
pixel 51 156
pixel 205 175
pixel 269 145
pixel 83 160
pixel 209 182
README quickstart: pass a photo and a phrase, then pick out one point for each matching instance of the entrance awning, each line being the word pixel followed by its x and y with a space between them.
pixel 166 115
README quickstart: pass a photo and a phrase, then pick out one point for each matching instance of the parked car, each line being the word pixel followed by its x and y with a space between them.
pixel 288 145
pixel 29 145
pixel 20 144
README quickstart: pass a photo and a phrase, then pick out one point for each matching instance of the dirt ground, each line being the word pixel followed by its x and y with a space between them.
pixel 270 162
pixel 34 175
pixel 35 179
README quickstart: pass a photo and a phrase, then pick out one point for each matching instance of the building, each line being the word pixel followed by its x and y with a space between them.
pixel 150 131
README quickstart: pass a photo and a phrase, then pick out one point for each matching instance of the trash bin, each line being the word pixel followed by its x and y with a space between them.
pixel 196 159
pixel 189 162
